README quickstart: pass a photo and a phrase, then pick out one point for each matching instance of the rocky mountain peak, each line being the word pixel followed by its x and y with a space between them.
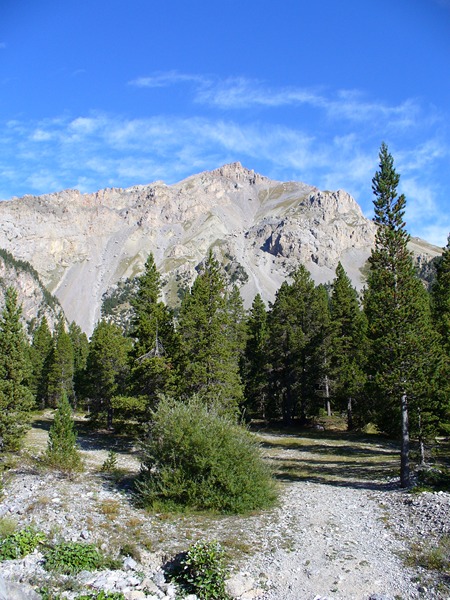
pixel 239 174
pixel 84 246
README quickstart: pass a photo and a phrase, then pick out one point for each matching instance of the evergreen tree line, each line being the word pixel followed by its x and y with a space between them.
pixel 382 358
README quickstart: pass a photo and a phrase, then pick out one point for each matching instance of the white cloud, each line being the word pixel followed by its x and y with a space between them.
pixel 166 79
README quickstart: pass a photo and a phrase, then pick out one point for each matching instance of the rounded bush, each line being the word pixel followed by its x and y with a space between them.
pixel 196 457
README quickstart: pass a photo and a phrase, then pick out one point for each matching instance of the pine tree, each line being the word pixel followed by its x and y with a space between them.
pixel 61 367
pixel 320 343
pixel 348 344
pixel 41 348
pixel 255 361
pixel 296 327
pixel 106 369
pixel 440 303
pixel 154 337
pixel 80 346
pixel 62 452
pixel 16 399
pixel 440 297
pixel 402 358
pixel 209 359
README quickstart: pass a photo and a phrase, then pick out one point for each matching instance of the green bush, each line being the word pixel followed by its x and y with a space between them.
pixel 200 459
pixel 62 452
pixel 20 543
pixel 70 558
pixel 202 571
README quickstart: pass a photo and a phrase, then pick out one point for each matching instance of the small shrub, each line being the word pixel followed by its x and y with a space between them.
pixel 62 452
pixel 70 558
pixel 434 479
pixel 110 463
pixel 7 527
pixel 198 458
pixel 20 543
pixel 202 571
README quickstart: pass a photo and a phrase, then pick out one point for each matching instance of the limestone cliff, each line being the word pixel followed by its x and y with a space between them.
pixel 32 295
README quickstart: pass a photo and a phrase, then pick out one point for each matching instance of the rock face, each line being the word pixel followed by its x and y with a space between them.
pixel 83 244
pixel 35 299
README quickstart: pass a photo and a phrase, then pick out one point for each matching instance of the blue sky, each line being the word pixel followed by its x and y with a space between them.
pixel 112 93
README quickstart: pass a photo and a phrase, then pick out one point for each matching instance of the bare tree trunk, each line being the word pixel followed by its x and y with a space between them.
pixel 327 396
pixel 350 414
pixel 421 442
pixel 404 457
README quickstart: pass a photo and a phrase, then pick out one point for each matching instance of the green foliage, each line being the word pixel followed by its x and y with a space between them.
pixel 106 368
pixel 434 479
pixel 61 367
pixel 16 399
pixel 20 543
pixel 255 360
pixel 80 345
pixel 202 571
pixel 210 343
pixel 70 558
pixel 348 346
pixel 62 452
pixel 297 326
pixel 198 458
pixel 433 558
pixel 41 348
pixel 403 353
pixel 110 463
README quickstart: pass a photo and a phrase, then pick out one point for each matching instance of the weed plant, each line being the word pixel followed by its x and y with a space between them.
pixel 200 459
pixel 202 571
pixel 69 558
pixel 20 543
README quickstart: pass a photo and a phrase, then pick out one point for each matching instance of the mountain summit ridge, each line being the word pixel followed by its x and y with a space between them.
pixel 260 229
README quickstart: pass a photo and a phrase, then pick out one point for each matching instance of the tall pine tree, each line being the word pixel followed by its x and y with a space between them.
pixel 16 398
pixel 154 337
pixel 296 329
pixel 440 297
pixel 61 367
pixel 255 360
pixel 106 369
pixel 41 349
pixel 402 358
pixel 348 345
pixel 209 357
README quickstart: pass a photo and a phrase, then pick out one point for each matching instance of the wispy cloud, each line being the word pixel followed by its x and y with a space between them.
pixel 242 93
pixel 166 79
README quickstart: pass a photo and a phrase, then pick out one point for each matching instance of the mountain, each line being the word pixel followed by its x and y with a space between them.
pixel 35 299
pixel 82 245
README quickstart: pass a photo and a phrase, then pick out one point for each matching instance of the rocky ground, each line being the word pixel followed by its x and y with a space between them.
pixel 342 528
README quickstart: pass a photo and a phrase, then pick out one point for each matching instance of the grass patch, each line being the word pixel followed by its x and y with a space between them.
pixel 432 558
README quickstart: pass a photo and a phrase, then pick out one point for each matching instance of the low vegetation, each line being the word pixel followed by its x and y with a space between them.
pixel 71 558
pixel 200 459
pixel 202 571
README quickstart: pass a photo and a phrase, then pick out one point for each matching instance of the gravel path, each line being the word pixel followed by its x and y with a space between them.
pixel 340 539
pixel 339 547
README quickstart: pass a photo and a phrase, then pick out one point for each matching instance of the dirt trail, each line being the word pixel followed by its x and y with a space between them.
pixel 329 537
